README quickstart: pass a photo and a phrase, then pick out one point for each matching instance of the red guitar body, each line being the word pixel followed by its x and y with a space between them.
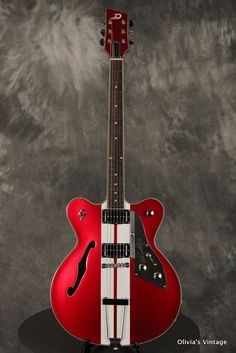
pixel 152 309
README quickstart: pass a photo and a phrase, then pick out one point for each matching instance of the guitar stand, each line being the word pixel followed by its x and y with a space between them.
pixel 137 348
pixel 87 347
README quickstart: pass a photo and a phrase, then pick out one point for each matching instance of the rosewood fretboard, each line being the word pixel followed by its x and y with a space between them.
pixel 115 165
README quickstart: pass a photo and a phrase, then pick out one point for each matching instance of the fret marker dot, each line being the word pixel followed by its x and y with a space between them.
pixel 115 184
pixel 115 137
pixel 121 157
pixel 115 174
pixel 115 105
pixel 115 122
pixel 115 86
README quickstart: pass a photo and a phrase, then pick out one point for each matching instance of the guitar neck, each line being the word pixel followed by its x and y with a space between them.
pixel 115 163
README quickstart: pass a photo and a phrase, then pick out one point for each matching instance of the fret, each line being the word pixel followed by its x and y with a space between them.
pixel 115 173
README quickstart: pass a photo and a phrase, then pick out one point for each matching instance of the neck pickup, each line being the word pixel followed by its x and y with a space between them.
pixel 116 216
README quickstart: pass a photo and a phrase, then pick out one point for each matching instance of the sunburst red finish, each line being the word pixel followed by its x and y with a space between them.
pixel 153 309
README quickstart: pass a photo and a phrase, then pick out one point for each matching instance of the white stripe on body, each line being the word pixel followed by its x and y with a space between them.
pixel 107 288
pixel 123 287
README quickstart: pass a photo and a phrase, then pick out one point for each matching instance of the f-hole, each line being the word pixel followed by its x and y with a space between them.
pixel 81 269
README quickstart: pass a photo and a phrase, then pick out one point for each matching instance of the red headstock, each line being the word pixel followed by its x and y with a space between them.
pixel 116 33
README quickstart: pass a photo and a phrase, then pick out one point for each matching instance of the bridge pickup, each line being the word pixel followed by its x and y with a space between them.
pixel 119 250
pixel 110 216
pixel 108 301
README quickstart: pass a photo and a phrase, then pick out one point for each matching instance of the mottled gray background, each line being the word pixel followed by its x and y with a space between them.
pixel 180 112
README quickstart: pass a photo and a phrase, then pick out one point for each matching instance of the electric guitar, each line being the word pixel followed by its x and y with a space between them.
pixel 115 286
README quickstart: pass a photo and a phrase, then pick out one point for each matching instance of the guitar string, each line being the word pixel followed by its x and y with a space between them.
pixel 119 190
pixel 118 136
pixel 108 226
pixel 113 171
pixel 111 177
pixel 112 227
pixel 117 180
pixel 120 161
pixel 119 150
pixel 122 176
pixel 116 161
pixel 109 196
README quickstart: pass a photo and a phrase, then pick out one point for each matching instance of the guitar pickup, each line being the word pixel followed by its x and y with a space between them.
pixel 119 250
pixel 113 216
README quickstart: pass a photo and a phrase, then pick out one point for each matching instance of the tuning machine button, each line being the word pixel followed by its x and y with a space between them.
pixel 142 267
pixel 131 42
pixel 150 213
pixel 131 23
pixel 103 32
pixel 102 42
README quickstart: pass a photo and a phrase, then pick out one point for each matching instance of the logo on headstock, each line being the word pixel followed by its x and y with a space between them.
pixel 115 39
pixel 117 16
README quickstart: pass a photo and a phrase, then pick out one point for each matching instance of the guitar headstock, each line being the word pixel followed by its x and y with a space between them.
pixel 116 42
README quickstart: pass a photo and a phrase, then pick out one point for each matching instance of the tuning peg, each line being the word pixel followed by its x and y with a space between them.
pixel 102 42
pixel 131 33
pixel 103 32
pixel 131 42
pixel 131 23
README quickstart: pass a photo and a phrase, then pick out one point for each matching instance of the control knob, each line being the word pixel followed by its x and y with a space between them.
pixel 157 275
pixel 142 267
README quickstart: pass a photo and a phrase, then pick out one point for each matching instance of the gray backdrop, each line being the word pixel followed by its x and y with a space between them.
pixel 180 110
